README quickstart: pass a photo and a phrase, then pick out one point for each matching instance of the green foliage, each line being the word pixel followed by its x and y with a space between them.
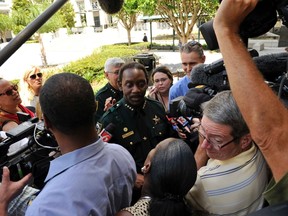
pixel 209 9
pixel 25 11
pixel 92 66
pixel 67 14
pixel 20 14
pixel 128 15
pixel 6 25
pixel 182 15
pixel 21 5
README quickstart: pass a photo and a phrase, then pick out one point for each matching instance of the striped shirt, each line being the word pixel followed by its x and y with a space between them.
pixel 231 187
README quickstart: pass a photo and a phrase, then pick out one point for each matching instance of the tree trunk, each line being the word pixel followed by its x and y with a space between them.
pixel 3 37
pixel 129 36
pixel 42 50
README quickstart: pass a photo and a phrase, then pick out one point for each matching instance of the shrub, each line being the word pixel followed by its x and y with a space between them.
pixel 92 67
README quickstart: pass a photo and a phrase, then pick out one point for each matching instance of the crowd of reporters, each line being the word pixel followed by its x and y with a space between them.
pixel 241 142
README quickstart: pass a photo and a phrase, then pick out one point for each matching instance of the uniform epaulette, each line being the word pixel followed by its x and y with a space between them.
pixel 112 109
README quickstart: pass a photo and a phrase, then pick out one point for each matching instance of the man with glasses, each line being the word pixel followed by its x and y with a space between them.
pixel 110 93
pixel 191 54
pixel 265 114
pixel 236 174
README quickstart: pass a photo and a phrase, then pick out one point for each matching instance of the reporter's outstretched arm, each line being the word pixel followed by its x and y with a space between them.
pixel 9 190
pixel 265 115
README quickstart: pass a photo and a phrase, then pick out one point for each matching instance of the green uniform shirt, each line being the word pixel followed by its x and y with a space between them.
pixel 137 130
pixel 101 96
pixel 277 193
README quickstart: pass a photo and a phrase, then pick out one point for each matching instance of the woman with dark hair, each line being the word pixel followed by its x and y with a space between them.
pixel 162 80
pixel 10 104
pixel 169 173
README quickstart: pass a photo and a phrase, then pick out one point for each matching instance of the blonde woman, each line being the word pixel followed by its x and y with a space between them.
pixel 30 86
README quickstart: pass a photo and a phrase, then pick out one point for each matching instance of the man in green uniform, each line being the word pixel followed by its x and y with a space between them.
pixel 140 123
pixel 110 93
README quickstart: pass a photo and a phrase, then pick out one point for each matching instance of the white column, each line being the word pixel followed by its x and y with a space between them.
pixel 77 17
pixel 89 13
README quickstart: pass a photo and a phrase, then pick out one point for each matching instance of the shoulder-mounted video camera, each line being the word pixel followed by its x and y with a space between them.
pixel 28 148
pixel 258 22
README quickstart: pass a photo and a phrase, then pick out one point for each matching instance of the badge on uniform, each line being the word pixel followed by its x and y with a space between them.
pixel 130 133
pixel 156 119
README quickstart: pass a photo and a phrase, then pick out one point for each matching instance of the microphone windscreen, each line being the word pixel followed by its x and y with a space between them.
pixel 110 128
pixel 272 65
pixel 111 6
pixel 199 77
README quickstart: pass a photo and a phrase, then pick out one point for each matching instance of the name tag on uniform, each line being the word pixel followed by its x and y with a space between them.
pixel 127 134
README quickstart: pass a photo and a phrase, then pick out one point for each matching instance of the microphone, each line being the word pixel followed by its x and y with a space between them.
pixel 219 66
pixel 200 76
pixel 184 124
pixel 106 133
pixel 111 6
pixel 271 66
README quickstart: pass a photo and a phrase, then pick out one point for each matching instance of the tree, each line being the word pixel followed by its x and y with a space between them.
pixel 182 15
pixel 128 15
pixel 6 25
pixel 54 23
pixel 20 14
pixel 68 14
pixel 24 12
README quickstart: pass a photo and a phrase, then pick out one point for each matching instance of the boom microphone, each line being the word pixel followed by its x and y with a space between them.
pixel 218 65
pixel 107 132
pixel 111 6
pixel 271 66
pixel 200 76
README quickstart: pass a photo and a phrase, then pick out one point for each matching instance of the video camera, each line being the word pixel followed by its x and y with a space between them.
pixel 28 148
pixel 182 109
pixel 258 22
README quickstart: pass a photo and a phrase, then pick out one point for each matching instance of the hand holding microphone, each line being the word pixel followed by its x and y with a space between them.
pixel 107 132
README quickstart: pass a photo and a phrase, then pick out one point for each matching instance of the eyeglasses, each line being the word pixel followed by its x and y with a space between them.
pixel 34 76
pixel 9 91
pixel 215 143
pixel 162 80
pixel 114 72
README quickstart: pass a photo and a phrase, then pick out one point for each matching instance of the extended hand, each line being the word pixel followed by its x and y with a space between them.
pixel 9 190
pixel 109 103
pixel 139 181
pixel 232 13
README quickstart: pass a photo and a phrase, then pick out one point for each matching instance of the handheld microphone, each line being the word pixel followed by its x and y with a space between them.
pixel 106 133
pixel 111 6
pixel 184 124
